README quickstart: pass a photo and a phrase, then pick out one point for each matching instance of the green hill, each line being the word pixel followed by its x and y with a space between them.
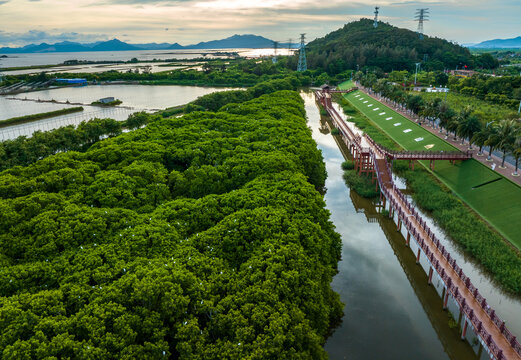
pixel 386 47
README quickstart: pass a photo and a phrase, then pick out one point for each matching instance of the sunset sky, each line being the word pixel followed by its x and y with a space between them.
pixel 190 21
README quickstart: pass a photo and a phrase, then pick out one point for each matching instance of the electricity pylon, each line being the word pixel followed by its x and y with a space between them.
pixel 302 64
pixel 421 16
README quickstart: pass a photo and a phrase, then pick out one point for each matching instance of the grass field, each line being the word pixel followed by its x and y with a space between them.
pixel 483 109
pixel 499 202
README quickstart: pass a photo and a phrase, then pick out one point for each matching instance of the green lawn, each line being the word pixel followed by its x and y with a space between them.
pixel 498 202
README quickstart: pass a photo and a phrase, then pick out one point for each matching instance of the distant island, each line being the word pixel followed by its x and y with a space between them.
pixel 247 41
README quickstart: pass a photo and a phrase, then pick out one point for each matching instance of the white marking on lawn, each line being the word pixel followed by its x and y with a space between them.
pixel 357 95
pixel 365 102
pixel 430 146
pixel 382 113
pixel 418 139
pixel 389 118
pixel 369 105
pixel 376 109
pixel 397 124
pixel 408 130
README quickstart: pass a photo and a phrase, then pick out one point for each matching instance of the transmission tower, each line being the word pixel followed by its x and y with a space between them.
pixel 275 47
pixel 290 45
pixel 376 17
pixel 421 16
pixel 302 64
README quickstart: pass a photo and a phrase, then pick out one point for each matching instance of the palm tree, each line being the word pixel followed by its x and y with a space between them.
pixel 480 138
pixel 516 151
pixel 430 111
pixel 469 126
pixel 446 115
pixel 507 133
pixel 452 126
pixel 462 117
pixel 493 139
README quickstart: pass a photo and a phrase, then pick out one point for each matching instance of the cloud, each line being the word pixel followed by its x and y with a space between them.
pixel 192 21
pixel 38 36
pixel 141 2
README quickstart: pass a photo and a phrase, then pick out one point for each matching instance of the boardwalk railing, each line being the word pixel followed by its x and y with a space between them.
pixel 477 311
pixel 420 155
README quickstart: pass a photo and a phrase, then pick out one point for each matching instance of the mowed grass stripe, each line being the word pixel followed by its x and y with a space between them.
pixel 498 202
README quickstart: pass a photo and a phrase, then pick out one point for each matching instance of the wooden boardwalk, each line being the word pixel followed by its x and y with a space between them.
pixel 370 157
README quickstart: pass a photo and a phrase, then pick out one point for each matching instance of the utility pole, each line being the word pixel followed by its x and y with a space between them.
pixel 302 63
pixel 421 16
pixel 375 25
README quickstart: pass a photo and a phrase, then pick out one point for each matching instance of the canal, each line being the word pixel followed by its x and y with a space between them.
pixel 390 311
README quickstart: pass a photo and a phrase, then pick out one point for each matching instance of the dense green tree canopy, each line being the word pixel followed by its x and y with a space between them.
pixel 386 47
pixel 197 237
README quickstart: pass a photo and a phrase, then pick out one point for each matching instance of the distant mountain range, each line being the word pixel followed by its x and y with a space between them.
pixel 232 42
pixel 499 44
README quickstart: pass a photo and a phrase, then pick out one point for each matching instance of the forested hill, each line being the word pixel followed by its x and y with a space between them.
pixel 386 47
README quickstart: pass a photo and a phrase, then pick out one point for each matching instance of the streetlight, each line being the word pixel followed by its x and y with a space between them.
pixel 416 74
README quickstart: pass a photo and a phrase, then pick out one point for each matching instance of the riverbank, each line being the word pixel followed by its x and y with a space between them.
pixel 135 98
pixel 495 198
pixel 40 116
pixel 461 223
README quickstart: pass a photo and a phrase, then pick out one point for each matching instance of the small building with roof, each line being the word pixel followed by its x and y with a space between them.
pixel 79 82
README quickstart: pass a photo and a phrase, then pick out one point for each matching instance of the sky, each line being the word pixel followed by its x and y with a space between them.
pixel 190 21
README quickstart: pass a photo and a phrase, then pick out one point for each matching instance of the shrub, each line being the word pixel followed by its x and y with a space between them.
pixel 348 165
pixel 361 184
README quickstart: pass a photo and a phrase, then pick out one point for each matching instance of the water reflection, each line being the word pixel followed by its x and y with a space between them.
pixel 384 318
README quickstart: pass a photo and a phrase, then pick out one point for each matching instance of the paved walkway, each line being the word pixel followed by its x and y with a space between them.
pixel 506 172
